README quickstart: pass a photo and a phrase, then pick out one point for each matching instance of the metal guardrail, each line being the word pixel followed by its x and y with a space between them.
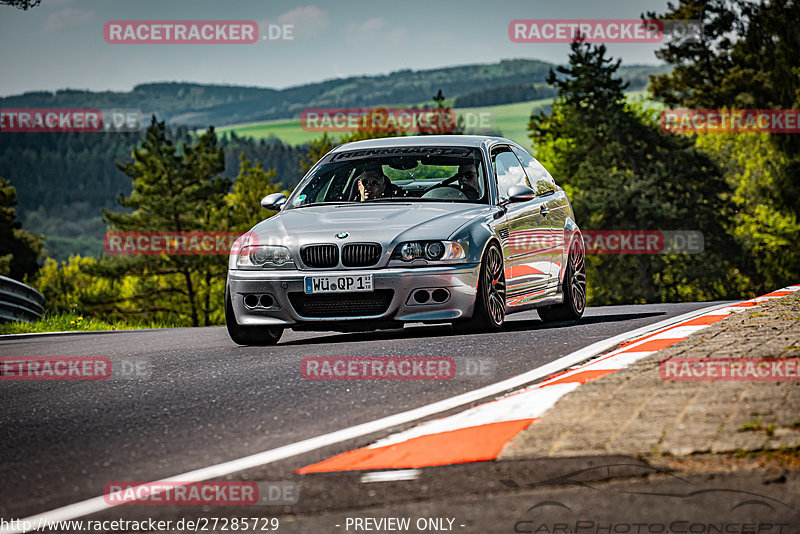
pixel 19 302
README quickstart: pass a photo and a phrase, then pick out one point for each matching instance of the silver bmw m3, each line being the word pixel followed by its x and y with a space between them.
pixel 432 229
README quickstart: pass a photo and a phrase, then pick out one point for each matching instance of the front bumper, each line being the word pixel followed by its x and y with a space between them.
pixel 281 287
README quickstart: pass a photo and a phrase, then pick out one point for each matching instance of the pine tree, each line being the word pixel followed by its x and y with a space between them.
pixel 19 250
pixel 623 172
pixel 173 191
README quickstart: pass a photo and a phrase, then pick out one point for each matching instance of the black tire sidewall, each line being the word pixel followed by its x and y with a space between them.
pixel 568 285
pixel 484 318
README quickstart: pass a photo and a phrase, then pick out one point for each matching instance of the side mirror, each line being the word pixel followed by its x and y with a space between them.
pixel 520 193
pixel 275 201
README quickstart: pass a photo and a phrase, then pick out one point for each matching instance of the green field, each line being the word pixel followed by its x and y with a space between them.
pixel 287 130
pixel 510 120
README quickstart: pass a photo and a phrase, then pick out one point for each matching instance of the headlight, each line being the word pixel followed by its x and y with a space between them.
pixel 429 250
pixel 258 256
pixel 411 251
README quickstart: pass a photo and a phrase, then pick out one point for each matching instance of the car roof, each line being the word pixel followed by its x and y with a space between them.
pixel 476 141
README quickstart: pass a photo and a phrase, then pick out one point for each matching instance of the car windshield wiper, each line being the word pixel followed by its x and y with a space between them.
pixel 413 199
pixel 388 199
pixel 331 203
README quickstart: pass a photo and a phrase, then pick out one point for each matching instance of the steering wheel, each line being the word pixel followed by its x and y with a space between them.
pixel 470 191
pixel 445 193
pixel 444 183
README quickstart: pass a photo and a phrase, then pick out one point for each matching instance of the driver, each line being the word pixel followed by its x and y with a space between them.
pixel 468 181
pixel 372 184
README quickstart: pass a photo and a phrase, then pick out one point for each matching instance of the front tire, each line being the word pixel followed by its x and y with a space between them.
pixel 573 288
pixel 248 335
pixel 489 313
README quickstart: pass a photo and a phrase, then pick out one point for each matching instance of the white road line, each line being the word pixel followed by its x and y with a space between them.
pixel 98 504
pixel 526 404
pixel 390 476
pixel 616 362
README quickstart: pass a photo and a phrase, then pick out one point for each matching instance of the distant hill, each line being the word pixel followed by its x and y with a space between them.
pixel 200 105
pixel 63 180
pixel 637 76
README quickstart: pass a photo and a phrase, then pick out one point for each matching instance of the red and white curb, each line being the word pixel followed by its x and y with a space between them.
pixel 505 417
pixel 480 433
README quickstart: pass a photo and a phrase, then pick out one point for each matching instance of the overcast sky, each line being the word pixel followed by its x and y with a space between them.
pixel 60 43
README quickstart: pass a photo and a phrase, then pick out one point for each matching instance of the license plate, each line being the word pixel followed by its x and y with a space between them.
pixel 338 284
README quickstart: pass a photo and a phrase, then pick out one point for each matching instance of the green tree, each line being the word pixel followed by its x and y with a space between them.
pixel 19 250
pixel 445 123
pixel 746 57
pixel 622 172
pixel 244 203
pixel 768 236
pixel 175 191
pixel 21 4
pixel 317 148
pixel 70 286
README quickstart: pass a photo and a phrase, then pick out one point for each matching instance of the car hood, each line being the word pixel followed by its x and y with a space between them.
pixel 382 223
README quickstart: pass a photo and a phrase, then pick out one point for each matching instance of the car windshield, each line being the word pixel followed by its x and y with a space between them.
pixel 412 174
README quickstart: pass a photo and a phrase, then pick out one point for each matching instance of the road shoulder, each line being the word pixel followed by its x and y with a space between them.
pixel 636 411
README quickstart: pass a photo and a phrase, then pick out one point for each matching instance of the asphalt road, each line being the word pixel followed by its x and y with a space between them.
pixel 206 400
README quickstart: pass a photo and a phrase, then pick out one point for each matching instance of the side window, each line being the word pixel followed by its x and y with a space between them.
pixel 508 170
pixel 542 182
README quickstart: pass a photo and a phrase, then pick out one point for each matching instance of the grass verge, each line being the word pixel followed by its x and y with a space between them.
pixel 71 322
